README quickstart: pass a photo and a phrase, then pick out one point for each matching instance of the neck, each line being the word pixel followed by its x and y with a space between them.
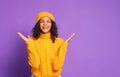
pixel 45 35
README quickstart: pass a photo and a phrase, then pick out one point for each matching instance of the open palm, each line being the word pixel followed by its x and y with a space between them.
pixel 27 38
pixel 23 37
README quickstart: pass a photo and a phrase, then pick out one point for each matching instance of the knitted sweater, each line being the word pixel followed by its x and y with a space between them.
pixel 45 57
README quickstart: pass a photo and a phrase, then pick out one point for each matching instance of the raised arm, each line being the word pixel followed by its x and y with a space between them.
pixel 33 57
pixel 59 58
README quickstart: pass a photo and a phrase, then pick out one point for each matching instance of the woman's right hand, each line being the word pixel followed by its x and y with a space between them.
pixel 23 37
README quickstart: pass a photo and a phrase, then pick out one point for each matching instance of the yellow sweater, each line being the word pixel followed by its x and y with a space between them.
pixel 45 57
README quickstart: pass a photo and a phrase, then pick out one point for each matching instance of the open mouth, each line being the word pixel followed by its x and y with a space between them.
pixel 45 27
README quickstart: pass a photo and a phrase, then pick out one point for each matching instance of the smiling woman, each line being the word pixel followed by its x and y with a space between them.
pixel 45 24
pixel 46 51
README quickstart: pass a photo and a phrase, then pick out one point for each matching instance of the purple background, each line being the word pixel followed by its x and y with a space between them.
pixel 93 52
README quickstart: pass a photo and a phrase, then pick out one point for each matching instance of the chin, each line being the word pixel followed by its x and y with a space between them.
pixel 45 32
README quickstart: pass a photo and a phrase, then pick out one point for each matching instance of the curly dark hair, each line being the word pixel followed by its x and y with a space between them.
pixel 36 31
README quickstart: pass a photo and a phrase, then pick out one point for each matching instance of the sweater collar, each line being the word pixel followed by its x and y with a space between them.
pixel 45 35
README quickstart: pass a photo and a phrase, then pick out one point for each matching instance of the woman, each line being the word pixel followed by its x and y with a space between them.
pixel 46 51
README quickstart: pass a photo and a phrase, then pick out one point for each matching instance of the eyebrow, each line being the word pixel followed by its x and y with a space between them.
pixel 44 20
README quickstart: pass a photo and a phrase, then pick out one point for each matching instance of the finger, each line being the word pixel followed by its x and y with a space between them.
pixel 28 36
pixel 71 36
pixel 22 36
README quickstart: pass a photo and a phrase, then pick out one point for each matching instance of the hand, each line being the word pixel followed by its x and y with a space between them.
pixel 23 37
pixel 71 36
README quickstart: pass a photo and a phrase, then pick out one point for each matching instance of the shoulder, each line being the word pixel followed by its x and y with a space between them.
pixel 31 38
pixel 59 39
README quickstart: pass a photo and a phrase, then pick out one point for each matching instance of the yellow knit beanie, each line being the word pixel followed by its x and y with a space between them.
pixel 44 14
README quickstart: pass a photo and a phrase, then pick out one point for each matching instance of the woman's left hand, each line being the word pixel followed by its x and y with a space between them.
pixel 71 36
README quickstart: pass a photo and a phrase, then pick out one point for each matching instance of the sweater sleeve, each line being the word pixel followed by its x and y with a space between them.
pixel 33 57
pixel 59 57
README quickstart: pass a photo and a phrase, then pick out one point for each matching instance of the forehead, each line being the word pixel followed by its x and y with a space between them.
pixel 45 18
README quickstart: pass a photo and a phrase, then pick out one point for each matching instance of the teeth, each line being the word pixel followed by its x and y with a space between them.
pixel 45 27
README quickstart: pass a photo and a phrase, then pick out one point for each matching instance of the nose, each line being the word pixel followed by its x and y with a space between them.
pixel 45 23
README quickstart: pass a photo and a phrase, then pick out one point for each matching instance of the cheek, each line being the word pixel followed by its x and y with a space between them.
pixel 40 27
pixel 50 26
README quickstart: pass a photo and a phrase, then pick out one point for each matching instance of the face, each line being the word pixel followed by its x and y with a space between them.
pixel 45 24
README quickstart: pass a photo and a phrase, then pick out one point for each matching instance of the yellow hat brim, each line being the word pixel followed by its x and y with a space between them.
pixel 44 14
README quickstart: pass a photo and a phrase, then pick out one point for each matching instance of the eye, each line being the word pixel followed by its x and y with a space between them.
pixel 42 21
pixel 48 21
